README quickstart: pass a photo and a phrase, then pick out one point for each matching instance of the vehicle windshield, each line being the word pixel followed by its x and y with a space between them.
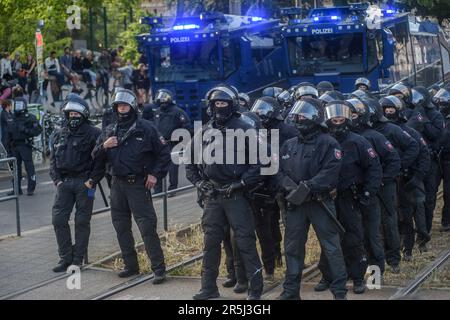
pixel 186 61
pixel 341 53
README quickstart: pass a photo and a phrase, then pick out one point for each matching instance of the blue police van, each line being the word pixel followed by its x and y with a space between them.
pixel 341 44
pixel 190 55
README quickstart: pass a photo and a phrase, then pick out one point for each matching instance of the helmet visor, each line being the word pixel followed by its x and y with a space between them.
pixel 163 97
pixel 442 97
pixel 307 90
pixel 338 110
pixel 358 106
pixel 75 107
pixel 417 98
pixel 305 109
pixel 124 97
pixel 262 108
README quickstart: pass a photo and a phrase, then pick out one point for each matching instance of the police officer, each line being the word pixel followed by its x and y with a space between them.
pixel 320 157
pixel 361 95
pixel 306 91
pixel 21 130
pixel 244 102
pixel 442 100
pixel 272 92
pixel 429 122
pixel 73 173
pixel 333 95
pixel 223 188
pixel 267 212
pixel 359 181
pixel 324 86
pixel 390 162
pixel 285 100
pixel 138 156
pixel 362 84
pixel 168 117
pixel 412 195
pixel 408 150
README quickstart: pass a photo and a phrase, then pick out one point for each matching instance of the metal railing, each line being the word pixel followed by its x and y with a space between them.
pixel 15 196
pixel 164 195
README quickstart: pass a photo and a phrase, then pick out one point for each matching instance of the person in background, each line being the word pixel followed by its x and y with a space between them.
pixel 141 83
pixel 5 67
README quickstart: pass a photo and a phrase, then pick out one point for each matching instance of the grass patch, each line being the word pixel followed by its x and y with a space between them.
pixel 409 270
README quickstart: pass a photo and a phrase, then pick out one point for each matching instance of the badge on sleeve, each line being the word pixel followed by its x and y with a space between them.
pixel 389 146
pixel 163 141
pixel 338 154
pixel 423 141
pixel 372 153
pixel 419 117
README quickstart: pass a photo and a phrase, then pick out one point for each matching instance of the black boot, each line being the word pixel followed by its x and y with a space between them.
pixel 61 266
pixel 229 283
pixel 322 285
pixel 158 279
pixel 205 295
pixel 359 286
pixel 240 287
pixel 125 273
pixel 288 296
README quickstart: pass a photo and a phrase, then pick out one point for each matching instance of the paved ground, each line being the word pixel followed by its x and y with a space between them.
pixel 28 260
pixel 35 211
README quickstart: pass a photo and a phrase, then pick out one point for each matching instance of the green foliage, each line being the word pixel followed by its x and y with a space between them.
pixel 434 8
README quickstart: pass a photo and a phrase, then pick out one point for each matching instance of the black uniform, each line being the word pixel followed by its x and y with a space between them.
pixel 430 124
pixel 142 151
pixel 315 159
pixel 412 197
pixel 265 207
pixel 360 173
pixel 21 130
pixel 445 164
pixel 408 150
pixel 71 165
pixel 167 120
pixel 390 163
pixel 235 211
pixel 148 112
pixel 108 117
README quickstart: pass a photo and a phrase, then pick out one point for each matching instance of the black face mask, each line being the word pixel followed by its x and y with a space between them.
pixel 306 126
pixel 75 122
pixel 338 131
pixel 125 117
pixel 222 115
pixel 164 105
pixel 392 116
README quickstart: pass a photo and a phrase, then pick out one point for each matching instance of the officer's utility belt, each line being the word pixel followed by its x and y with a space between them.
pixel 74 175
pixel 352 192
pixel 313 197
pixel 132 178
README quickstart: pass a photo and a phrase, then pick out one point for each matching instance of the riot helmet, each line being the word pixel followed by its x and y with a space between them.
pixel 307 115
pixel 267 109
pixel 338 117
pixel 324 86
pixel 362 84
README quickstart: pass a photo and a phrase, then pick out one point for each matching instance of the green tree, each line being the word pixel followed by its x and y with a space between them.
pixel 434 8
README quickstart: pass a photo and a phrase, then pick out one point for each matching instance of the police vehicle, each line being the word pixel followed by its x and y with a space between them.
pixel 190 55
pixel 341 44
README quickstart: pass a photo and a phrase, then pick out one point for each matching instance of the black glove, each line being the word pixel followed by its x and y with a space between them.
pixel 204 186
pixel 414 182
pixel 233 187
pixel 365 199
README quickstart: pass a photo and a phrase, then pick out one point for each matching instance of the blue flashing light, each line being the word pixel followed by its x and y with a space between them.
pixel 390 11
pixel 334 17
pixel 186 27
pixel 316 18
pixel 256 19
